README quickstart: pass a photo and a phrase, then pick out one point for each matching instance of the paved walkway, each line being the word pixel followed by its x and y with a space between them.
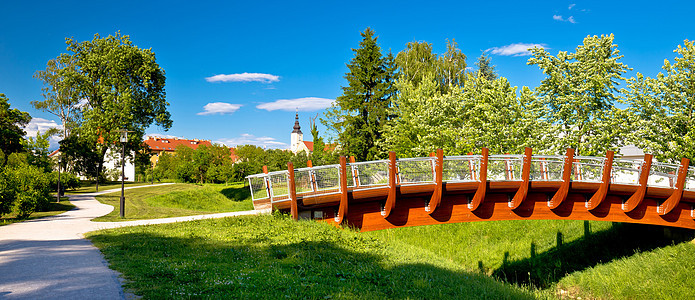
pixel 48 258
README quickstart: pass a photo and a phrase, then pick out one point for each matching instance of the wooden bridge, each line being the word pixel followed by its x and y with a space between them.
pixel 391 193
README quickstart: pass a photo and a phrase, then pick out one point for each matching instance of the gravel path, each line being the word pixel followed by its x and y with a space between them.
pixel 48 258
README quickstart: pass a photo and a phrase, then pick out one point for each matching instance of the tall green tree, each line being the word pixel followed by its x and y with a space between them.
pixel 579 92
pixel 122 87
pixel 61 92
pixel 12 123
pixel 662 109
pixel 359 115
pixel 485 67
pixel 417 61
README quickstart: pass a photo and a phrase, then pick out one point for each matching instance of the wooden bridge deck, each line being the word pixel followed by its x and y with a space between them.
pixel 435 190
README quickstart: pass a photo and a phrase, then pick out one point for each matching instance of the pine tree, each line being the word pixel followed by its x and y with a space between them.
pixel 359 115
pixel 485 68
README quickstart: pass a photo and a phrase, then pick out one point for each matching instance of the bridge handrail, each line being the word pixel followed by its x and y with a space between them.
pixel 462 168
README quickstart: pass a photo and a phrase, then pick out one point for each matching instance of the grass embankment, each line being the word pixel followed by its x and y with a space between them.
pixel 567 258
pixel 177 200
pixel 272 257
pixel 90 187
pixel 52 210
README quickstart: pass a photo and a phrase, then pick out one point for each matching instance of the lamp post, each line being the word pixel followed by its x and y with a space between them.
pixel 58 196
pixel 97 176
pixel 124 140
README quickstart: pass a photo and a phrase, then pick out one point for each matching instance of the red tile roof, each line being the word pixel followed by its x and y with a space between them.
pixel 169 144
pixel 326 147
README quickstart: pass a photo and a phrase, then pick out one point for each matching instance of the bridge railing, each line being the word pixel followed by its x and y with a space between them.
pixel 547 167
pixel 690 179
pixel 419 170
pixel 323 180
pixel 625 171
pixel 464 168
pixel 370 174
pixel 505 167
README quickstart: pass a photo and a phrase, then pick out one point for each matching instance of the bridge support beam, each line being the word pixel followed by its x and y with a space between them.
pixel 561 193
pixel 343 206
pixel 602 191
pixel 479 195
pixel 391 199
pixel 675 198
pixel 521 193
pixel 636 198
pixel 439 185
pixel 292 192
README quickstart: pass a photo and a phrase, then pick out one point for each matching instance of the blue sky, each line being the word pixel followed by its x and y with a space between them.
pixel 236 70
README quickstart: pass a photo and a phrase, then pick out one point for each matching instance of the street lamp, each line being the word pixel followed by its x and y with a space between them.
pixel 124 140
pixel 58 196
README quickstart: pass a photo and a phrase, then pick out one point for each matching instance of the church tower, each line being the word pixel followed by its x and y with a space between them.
pixel 297 136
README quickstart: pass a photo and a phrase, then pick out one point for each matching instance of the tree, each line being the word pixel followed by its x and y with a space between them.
pixel 495 116
pixel 122 87
pixel 61 91
pixel 579 92
pixel 485 67
pixel 359 115
pixel 12 122
pixel 662 110
pixel 417 61
pixel 452 67
pixel 426 119
pixel 319 156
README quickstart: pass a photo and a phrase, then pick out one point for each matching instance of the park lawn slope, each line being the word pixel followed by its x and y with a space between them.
pixel 52 210
pixel 664 273
pixel 272 257
pixel 567 258
pixel 177 200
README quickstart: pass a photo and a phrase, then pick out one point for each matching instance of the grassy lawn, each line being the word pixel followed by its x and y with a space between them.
pixel 273 257
pixel 567 258
pixel 53 209
pixel 90 187
pixel 177 200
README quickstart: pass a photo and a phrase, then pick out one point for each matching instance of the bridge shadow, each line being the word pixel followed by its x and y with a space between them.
pixel 621 240
pixel 259 266
pixel 236 194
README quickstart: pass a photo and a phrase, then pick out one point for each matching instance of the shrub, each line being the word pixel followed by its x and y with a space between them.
pixel 23 187
pixel 68 181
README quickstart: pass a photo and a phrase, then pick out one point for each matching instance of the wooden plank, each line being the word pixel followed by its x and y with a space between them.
pixel 479 195
pixel 355 177
pixel 638 196
pixel 675 198
pixel 438 174
pixel 602 191
pixel 521 193
pixel 391 199
pixel 561 193
pixel 343 206
pixel 293 192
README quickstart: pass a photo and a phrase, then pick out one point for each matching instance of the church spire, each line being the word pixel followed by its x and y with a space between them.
pixel 297 128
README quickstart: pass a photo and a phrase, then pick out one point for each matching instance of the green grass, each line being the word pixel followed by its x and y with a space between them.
pixel 90 187
pixel 53 209
pixel 177 200
pixel 589 259
pixel 273 257
pixel 665 273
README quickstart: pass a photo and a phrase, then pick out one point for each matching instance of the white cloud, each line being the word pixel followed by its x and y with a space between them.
pixel 571 6
pixel 250 139
pixel 40 125
pixel 219 108
pixel 303 104
pixel 561 19
pixel 244 77
pixel 518 49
